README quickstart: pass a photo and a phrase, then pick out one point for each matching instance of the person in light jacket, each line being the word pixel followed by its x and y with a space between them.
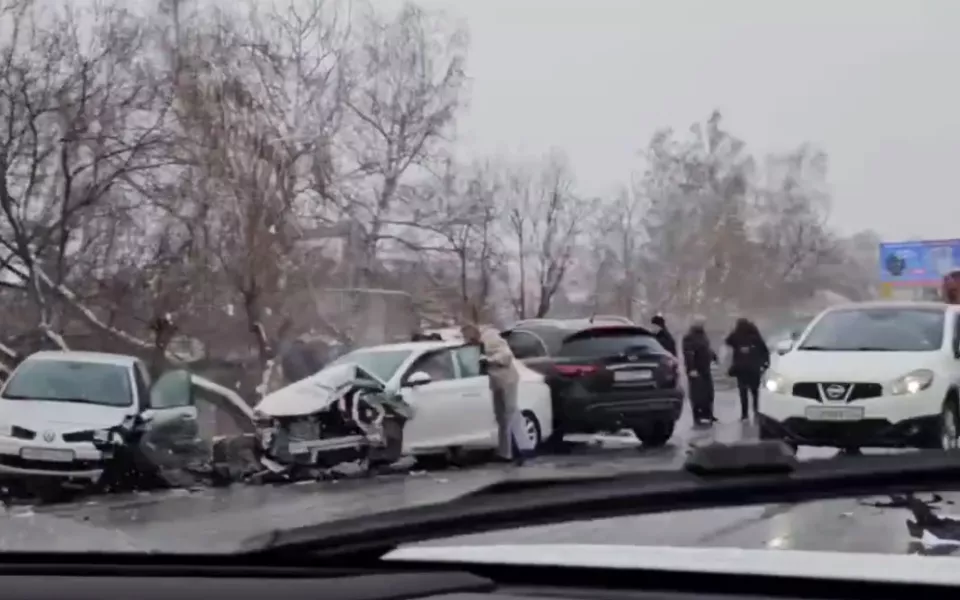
pixel 504 380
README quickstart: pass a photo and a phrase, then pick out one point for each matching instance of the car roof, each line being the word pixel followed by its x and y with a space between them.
pixel 412 346
pixel 104 358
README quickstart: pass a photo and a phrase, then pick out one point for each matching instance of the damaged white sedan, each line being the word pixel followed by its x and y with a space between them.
pixel 94 420
pixel 425 399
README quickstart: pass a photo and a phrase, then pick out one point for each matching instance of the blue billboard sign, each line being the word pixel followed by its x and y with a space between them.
pixel 918 263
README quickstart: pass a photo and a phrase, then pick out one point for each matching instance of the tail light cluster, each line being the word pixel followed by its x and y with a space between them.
pixel 670 367
pixel 576 370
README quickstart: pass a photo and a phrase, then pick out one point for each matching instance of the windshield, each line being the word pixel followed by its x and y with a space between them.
pixel 382 364
pixel 878 329
pixel 70 381
pixel 235 198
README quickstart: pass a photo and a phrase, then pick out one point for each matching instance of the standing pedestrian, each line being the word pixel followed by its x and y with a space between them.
pixel 504 379
pixel 663 334
pixel 750 358
pixel 698 356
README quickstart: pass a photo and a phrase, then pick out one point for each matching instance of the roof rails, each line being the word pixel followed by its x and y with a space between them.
pixel 611 318
pixel 577 321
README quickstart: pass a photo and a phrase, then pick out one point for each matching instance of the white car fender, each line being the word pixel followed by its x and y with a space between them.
pixel 533 395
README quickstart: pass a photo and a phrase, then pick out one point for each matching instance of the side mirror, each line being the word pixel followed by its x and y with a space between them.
pixel 417 379
pixel 172 390
pixel 784 346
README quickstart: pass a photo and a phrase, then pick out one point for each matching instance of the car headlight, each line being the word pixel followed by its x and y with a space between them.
pixel 912 382
pixel 775 383
pixel 6 430
pixel 101 435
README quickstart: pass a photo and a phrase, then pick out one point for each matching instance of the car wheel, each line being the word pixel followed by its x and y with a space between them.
pixel 393 450
pixel 433 462
pixel 531 426
pixel 948 426
pixel 656 434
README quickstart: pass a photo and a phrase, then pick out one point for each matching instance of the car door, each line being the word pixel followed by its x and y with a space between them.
pixel 170 430
pixel 437 404
pixel 478 398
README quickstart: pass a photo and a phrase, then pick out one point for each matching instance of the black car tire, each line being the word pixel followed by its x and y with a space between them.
pixel 656 434
pixel 393 450
pixel 432 462
pixel 530 422
pixel 948 417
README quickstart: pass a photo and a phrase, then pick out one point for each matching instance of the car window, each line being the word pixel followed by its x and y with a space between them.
pixel 601 342
pixel 381 363
pixel 877 329
pixel 70 381
pixel 438 365
pixel 525 345
pixel 468 359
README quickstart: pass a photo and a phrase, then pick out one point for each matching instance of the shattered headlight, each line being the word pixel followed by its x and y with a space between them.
pixel 266 430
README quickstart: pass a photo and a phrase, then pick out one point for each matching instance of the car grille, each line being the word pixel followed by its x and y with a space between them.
pixel 860 391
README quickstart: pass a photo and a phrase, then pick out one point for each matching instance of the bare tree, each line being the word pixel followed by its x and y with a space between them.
pixel 696 226
pixel 258 101
pixel 85 128
pixel 794 242
pixel 545 222
pixel 409 86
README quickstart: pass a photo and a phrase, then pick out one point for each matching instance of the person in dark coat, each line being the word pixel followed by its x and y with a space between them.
pixel 698 357
pixel 750 358
pixel 663 334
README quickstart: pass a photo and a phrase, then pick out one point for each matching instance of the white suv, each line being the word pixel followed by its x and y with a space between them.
pixel 881 374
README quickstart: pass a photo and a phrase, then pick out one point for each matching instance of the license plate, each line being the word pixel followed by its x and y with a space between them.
pixel 834 413
pixel 632 375
pixel 47 454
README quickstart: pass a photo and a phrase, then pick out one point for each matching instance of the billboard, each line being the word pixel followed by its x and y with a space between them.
pixel 922 263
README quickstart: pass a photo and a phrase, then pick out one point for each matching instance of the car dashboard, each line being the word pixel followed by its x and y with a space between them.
pixel 199 580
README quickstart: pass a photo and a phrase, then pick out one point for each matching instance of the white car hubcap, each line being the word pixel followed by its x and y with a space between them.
pixel 532 435
pixel 949 428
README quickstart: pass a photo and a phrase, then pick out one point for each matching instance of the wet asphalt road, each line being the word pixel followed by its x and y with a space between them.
pixel 215 520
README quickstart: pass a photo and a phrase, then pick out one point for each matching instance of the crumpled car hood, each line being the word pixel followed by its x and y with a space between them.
pixel 310 395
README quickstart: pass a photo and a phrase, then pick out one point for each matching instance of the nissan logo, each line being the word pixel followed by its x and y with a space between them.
pixel 49 436
pixel 836 391
pixel 632 358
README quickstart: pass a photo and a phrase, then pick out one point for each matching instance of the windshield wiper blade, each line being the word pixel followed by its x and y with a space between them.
pixel 576 498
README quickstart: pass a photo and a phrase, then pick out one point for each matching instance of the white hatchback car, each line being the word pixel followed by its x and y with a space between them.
pixel 879 374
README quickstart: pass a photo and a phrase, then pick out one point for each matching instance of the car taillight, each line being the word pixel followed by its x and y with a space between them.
pixel 671 366
pixel 576 370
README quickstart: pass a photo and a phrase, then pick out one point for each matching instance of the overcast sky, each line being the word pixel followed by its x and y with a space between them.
pixel 876 83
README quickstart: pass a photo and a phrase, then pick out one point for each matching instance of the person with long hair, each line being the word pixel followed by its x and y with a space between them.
pixel 750 358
